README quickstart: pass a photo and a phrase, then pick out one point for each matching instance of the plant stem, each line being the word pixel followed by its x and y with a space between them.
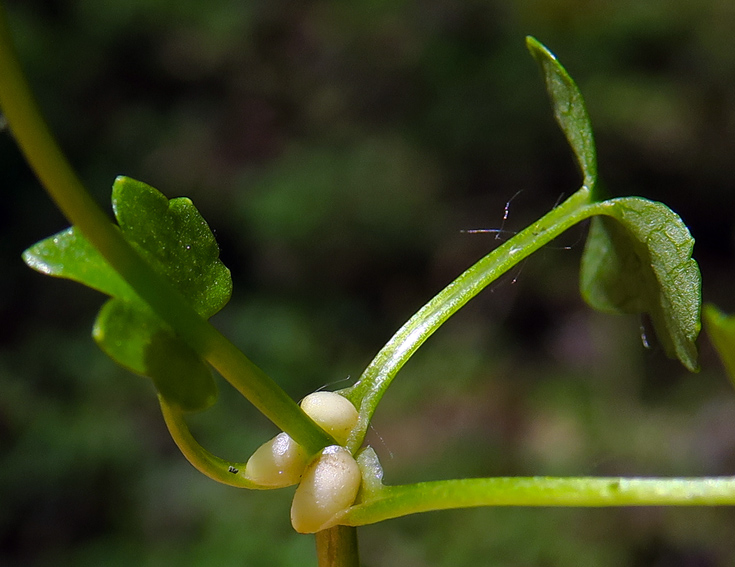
pixel 337 547
pixel 64 187
pixel 366 393
pixel 226 472
pixel 394 501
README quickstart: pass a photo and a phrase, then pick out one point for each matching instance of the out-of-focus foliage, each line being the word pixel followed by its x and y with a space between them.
pixel 337 150
pixel 721 329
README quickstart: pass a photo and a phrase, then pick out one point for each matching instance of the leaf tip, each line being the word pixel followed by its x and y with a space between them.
pixel 120 182
pixel 538 50
pixel 34 262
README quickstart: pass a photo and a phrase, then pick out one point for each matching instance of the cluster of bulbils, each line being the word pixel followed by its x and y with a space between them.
pixel 329 482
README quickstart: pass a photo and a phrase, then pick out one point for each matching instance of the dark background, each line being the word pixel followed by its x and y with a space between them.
pixel 338 150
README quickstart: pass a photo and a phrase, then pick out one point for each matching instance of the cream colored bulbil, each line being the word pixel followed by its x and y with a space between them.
pixel 329 483
pixel 279 462
pixel 334 413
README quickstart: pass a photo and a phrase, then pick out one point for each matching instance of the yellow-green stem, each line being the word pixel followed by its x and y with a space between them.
pixel 64 187
pixel 337 547
pixel 376 378
pixel 395 501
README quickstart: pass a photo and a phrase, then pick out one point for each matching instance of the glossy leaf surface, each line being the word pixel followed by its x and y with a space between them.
pixel 174 238
pixel 638 259
pixel 68 254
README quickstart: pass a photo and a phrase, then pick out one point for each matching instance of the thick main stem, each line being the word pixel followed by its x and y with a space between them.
pixel 64 187
pixel 337 547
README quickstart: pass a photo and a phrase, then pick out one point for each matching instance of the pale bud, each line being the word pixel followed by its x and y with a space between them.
pixel 277 463
pixel 329 485
pixel 334 413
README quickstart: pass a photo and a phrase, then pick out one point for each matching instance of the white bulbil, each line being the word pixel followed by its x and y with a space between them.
pixel 281 461
pixel 277 463
pixel 329 485
pixel 334 413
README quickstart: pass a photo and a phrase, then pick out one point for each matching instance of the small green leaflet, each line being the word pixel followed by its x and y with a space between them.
pixel 638 259
pixel 721 330
pixel 569 110
pixel 176 241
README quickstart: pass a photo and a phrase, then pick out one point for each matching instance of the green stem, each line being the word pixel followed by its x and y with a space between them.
pixel 395 501
pixel 337 547
pixel 66 190
pixel 205 462
pixel 366 393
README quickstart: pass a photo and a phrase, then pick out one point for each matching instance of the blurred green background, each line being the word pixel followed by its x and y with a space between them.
pixel 338 150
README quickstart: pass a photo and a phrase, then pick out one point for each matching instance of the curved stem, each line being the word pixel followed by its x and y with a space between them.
pixel 64 187
pixel 366 393
pixel 205 462
pixel 395 501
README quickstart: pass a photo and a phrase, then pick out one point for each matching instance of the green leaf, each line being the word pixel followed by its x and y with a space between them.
pixel 721 330
pixel 569 110
pixel 638 259
pixel 123 330
pixel 136 338
pixel 174 238
pixel 68 254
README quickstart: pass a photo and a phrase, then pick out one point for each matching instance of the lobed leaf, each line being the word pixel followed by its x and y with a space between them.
pixel 569 110
pixel 638 259
pixel 721 330
pixel 174 238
